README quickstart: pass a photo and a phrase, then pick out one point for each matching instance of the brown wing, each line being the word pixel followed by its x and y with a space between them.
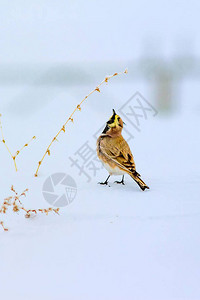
pixel 119 152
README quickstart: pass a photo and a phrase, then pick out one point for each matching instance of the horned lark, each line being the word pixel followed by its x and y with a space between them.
pixel 115 154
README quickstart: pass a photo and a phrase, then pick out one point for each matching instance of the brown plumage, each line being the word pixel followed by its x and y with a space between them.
pixel 115 154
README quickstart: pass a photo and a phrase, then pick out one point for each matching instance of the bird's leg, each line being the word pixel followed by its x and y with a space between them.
pixel 105 182
pixel 122 181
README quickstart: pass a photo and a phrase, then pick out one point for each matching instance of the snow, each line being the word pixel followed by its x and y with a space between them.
pixel 112 242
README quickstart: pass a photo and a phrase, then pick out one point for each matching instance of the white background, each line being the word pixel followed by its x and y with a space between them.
pixel 116 242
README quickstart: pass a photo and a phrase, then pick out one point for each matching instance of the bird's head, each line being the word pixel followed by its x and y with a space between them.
pixel 114 124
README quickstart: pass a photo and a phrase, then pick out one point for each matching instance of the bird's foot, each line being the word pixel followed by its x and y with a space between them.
pixel 104 183
pixel 120 182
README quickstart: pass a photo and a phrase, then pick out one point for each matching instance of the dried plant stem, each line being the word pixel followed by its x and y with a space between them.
pixel 2 224
pixel 16 204
pixel 18 151
pixel 78 107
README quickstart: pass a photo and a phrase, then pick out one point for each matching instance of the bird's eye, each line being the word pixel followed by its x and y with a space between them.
pixel 118 118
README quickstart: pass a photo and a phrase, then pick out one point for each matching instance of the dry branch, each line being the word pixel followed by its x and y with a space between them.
pixel 78 107
pixel 18 151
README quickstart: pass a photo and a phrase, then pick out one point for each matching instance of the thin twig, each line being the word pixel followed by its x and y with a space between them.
pixel 78 107
pixel 18 151
pixel 2 224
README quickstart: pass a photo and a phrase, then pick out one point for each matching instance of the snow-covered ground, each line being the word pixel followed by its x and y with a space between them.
pixel 110 243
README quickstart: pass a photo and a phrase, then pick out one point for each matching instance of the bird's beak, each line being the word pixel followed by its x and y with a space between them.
pixel 114 113
pixel 124 123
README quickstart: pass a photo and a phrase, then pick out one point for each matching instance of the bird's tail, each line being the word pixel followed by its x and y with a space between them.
pixel 139 181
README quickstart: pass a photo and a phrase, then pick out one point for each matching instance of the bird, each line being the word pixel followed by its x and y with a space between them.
pixel 115 154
